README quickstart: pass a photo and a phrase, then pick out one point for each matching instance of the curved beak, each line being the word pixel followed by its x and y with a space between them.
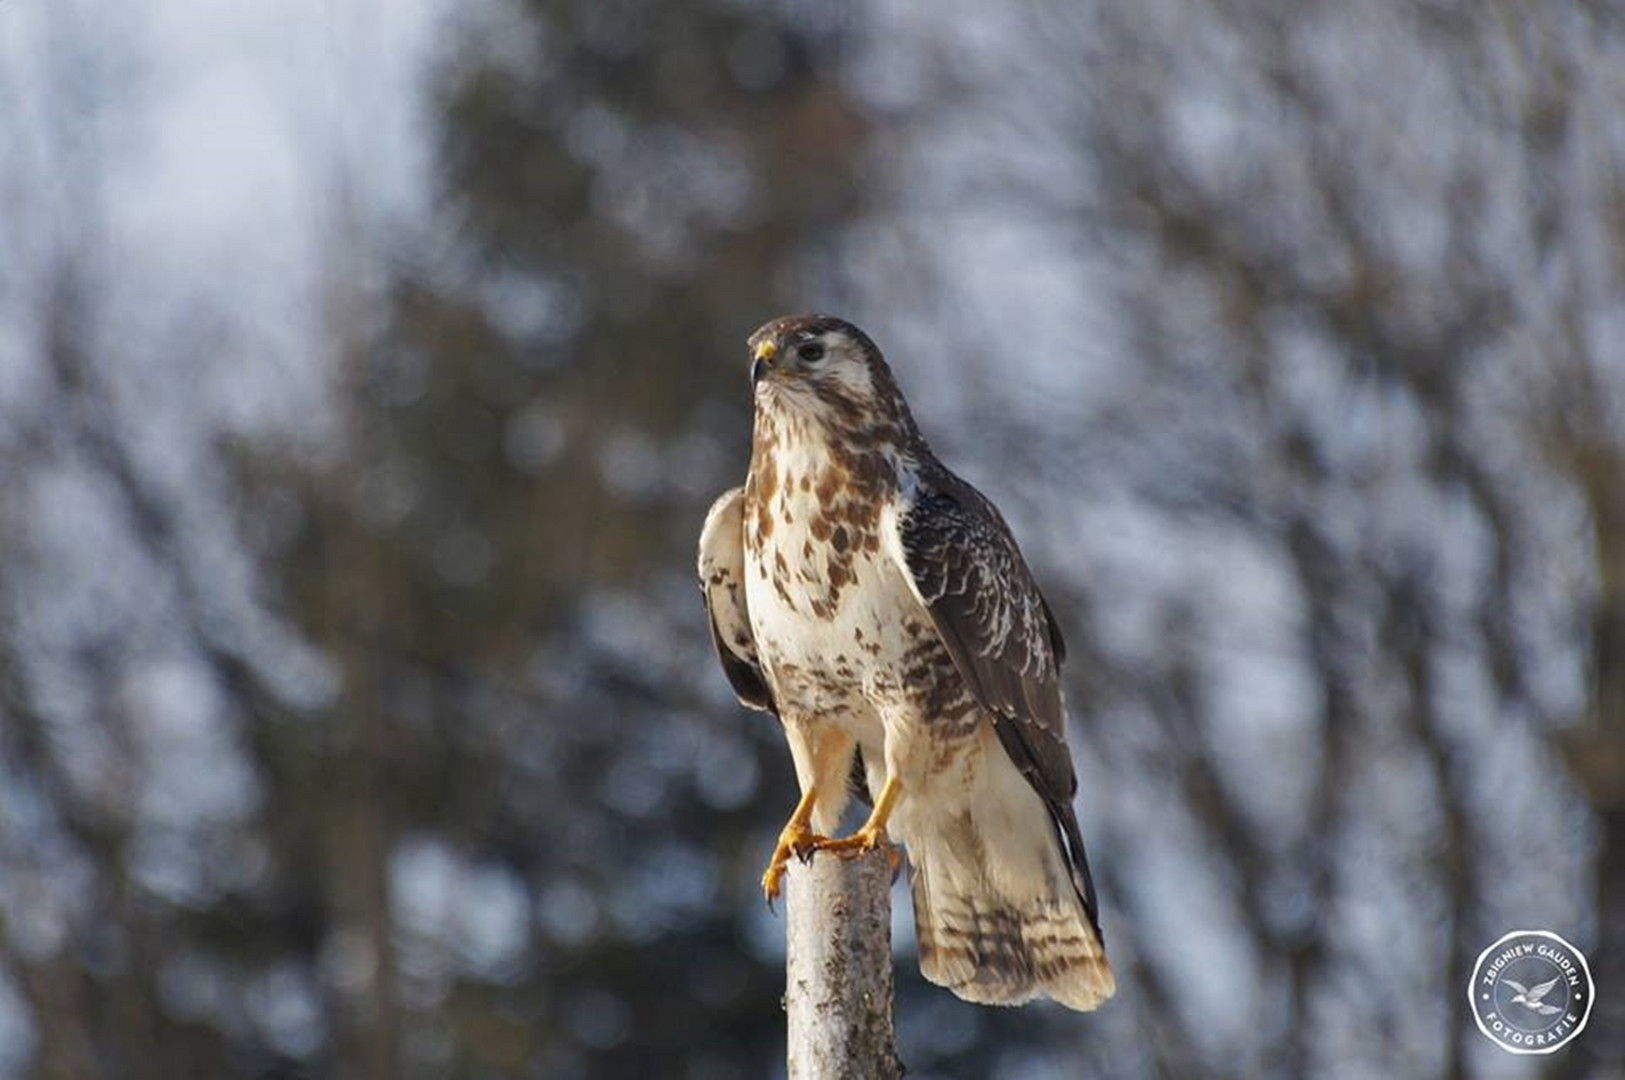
pixel 762 360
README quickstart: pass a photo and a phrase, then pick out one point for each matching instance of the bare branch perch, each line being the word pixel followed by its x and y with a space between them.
pixel 838 969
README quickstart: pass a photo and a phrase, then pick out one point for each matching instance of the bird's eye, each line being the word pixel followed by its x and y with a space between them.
pixel 813 350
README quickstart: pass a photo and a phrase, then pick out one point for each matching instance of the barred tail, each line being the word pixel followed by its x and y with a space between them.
pixel 1003 950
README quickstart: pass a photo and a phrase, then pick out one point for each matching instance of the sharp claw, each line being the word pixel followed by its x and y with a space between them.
pixel 771 892
pixel 772 880
pixel 859 843
pixel 802 844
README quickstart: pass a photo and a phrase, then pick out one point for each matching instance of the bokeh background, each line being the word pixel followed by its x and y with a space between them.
pixel 366 368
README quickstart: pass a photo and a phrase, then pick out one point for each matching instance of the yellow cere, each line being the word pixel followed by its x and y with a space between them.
pixel 766 350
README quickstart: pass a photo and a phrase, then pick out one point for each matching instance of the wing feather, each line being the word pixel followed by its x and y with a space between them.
pixel 1540 990
pixel 722 581
pixel 968 572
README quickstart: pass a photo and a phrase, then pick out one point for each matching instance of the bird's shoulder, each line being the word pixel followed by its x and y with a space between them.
pixel 722 529
pixel 968 570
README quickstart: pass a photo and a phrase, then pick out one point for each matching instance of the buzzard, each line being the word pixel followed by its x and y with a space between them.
pixel 879 607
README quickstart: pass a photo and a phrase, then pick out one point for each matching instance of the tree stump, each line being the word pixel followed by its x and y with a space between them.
pixel 838 969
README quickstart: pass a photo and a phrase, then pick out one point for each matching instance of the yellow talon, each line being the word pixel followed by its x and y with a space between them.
pixel 795 839
pixel 799 840
pixel 861 842
pixel 872 834
pixel 798 843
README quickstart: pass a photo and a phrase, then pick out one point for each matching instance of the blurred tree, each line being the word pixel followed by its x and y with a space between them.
pixel 358 713
pixel 489 834
pixel 1340 495
pixel 498 560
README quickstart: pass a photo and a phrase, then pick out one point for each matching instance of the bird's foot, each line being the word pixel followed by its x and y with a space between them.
pixel 797 840
pixel 867 839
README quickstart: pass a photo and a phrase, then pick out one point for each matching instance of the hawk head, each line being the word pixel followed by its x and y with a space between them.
pixel 823 366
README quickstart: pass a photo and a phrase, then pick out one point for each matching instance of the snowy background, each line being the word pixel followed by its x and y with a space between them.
pixel 366 369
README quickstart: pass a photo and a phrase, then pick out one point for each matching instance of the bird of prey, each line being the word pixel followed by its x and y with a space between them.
pixel 877 604
pixel 1530 997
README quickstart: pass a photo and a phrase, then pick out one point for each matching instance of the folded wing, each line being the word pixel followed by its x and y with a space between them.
pixel 722 580
pixel 967 571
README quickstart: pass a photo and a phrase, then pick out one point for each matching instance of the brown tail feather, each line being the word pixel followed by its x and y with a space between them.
pixel 988 949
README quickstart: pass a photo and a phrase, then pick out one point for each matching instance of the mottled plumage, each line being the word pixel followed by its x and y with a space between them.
pixel 879 606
